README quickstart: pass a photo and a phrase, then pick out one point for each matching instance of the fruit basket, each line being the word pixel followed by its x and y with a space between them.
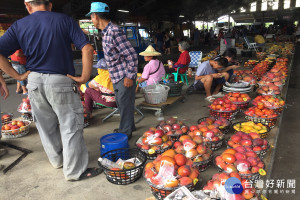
pixel 27 116
pixel 195 149
pixel 152 152
pixel 262 130
pixel 275 103
pixel 239 99
pixel 170 171
pixel 161 192
pixel 225 127
pixel 250 141
pixel 6 118
pixel 126 176
pixel 229 115
pixel 203 165
pixel 16 132
pixel 251 176
pixel 216 145
pixel 270 122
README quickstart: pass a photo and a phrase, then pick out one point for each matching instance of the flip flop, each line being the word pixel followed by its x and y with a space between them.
pixel 210 99
pixel 90 173
pixel 219 94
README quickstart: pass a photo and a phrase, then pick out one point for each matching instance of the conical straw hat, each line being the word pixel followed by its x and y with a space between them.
pixel 150 51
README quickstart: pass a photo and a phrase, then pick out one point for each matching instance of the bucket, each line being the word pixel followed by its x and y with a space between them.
pixel 113 141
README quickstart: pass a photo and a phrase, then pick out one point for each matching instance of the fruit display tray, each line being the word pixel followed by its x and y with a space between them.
pixel 16 133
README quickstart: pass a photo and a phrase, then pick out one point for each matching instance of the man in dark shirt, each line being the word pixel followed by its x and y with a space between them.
pixel 45 38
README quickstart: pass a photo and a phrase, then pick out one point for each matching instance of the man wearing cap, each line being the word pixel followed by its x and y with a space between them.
pixel 45 38
pixel 122 62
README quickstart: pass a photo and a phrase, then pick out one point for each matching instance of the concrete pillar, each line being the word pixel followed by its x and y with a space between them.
pixel 280 5
pixel 258 5
pixel 293 4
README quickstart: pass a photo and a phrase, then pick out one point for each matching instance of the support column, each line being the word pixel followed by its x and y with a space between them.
pixel 280 5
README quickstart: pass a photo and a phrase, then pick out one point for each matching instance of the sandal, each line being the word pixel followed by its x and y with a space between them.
pixel 89 173
pixel 210 99
pixel 219 94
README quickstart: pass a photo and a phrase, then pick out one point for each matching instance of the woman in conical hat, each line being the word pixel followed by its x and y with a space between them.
pixel 153 70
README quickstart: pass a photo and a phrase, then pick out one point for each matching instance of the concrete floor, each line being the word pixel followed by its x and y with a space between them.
pixel 34 178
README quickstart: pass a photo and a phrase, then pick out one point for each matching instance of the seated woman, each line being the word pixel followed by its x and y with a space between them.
pixel 154 70
pixel 100 89
pixel 183 61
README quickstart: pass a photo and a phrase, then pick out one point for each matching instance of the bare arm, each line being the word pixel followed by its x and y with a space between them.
pixel 3 88
pixel 87 63
pixel 8 69
pixel 230 67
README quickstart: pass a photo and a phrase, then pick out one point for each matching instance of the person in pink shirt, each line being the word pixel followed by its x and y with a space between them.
pixel 154 71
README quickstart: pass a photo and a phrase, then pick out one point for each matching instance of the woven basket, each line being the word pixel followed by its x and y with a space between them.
pixel 16 133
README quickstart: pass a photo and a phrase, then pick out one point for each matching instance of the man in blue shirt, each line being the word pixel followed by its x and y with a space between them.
pixel 45 38
pixel 207 75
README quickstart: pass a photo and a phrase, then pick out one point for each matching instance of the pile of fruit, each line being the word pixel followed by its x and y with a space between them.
pixel 153 141
pixel 276 78
pixel 251 140
pixel 217 186
pixel 269 89
pixel 210 55
pixel 172 127
pixel 15 128
pixel 193 148
pixel 250 127
pixel 250 63
pixel 261 112
pixel 237 97
pixel 241 159
pixel 25 106
pixel 240 99
pixel 223 104
pixel 212 136
pixel 220 123
pixel 261 55
pixel 260 69
pixel 6 118
pixel 269 101
pixel 245 75
pixel 171 170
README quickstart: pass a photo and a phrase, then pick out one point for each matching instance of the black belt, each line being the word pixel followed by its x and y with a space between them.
pixel 106 94
pixel 15 62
